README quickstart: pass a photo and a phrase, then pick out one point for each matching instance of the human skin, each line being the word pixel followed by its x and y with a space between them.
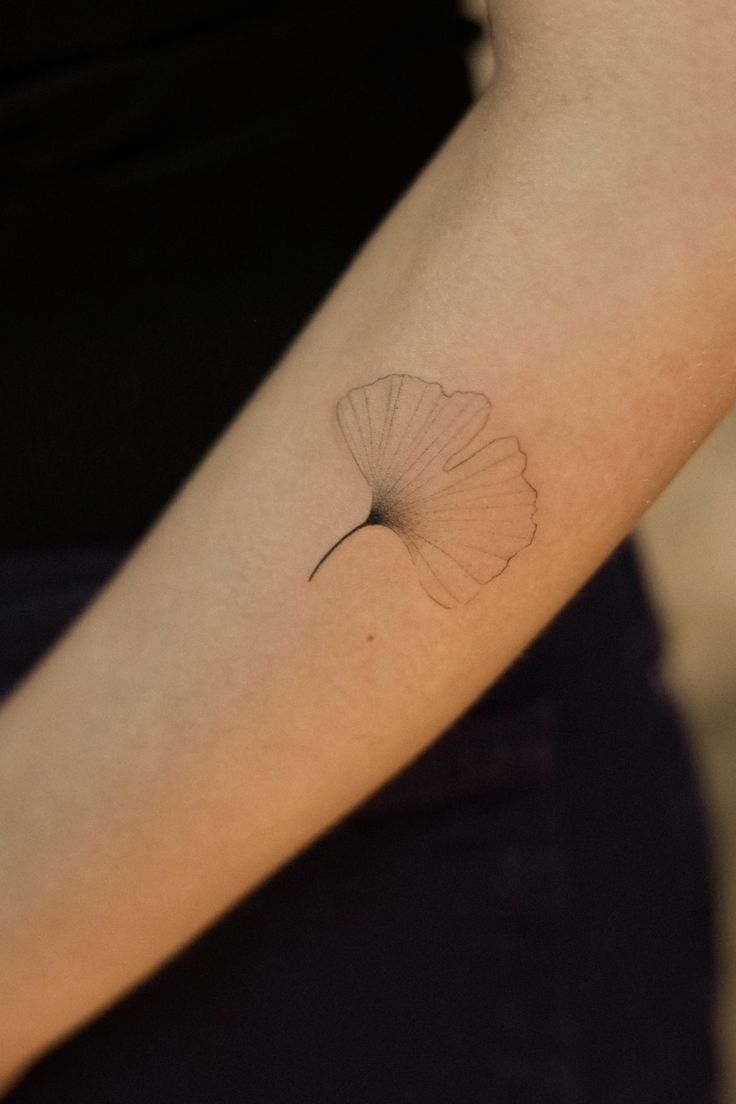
pixel 569 252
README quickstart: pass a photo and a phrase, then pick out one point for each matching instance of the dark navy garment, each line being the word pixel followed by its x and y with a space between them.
pixel 523 916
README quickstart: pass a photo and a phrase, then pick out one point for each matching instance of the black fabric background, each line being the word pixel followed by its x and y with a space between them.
pixel 179 186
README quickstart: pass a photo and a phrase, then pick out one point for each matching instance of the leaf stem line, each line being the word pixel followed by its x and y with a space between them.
pixel 344 537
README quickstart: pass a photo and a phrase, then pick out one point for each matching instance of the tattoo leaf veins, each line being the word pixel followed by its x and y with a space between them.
pixel 456 497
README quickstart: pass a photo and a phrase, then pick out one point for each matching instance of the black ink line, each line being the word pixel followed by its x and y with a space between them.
pixel 460 510
pixel 370 520
pixel 438 449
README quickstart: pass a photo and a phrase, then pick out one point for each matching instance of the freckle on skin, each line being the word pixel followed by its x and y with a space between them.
pixel 370 637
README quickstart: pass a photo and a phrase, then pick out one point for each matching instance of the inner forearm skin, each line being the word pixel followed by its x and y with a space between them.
pixel 567 255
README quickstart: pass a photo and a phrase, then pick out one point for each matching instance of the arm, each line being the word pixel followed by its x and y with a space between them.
pixel 567 253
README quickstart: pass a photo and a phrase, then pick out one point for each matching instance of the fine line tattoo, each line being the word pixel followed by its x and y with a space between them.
pixel 457 498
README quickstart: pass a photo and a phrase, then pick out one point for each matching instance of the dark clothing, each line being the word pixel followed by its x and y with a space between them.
pixel 175 200
pixel 524 915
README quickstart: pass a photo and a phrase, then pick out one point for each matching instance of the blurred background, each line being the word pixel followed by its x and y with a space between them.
pixel 688 542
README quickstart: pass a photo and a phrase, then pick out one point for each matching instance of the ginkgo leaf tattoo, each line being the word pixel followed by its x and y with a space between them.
pixel 456 497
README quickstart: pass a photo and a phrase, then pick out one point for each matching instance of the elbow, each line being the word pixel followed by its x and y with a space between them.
pixel 671 51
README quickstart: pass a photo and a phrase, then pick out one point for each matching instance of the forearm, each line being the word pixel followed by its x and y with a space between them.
pixel 568 256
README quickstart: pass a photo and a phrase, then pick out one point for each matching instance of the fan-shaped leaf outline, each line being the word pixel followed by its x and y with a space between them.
pixel 422 453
